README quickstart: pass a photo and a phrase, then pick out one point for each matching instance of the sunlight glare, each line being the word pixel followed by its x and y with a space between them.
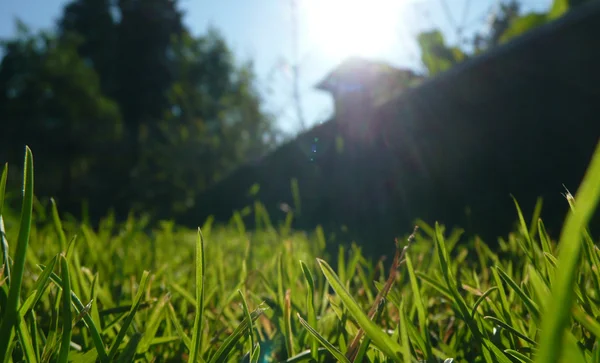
pixel 342 28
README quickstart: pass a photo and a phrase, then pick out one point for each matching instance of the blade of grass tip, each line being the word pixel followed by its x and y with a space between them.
pixel 65 344
pixel 537 212
pixel 229 343
pixel 12 305
pixel 529 249
pixel 134 308
pixel 379 338
pixel 247 315
pixel 332 349
pixel 310 306
pixel 559 307
pixel 197 330
pixel 58 226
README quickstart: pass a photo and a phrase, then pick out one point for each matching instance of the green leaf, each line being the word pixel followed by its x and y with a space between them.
pixel 558 9
pixel 522 25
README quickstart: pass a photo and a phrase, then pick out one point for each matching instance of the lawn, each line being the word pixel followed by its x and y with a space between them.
pixel 135 291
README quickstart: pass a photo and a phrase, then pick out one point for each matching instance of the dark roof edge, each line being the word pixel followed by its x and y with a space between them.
pixel 581 12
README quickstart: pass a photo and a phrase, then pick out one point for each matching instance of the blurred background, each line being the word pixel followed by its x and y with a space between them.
pixel 146 105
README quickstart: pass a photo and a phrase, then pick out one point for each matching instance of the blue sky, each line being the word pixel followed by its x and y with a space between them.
pixel 329 31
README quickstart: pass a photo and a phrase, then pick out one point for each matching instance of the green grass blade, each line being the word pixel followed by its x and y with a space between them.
pixel 287 323
pixel 247 315
pixel 511 329
pixel 134 308
pixel 3 186
pixel 26 342
pixel 3 242
pixel 178 327
pixel 304 356
pixel 65 343
pixel 405 342
pixel 481 298
pixel 587 321
pixel 379 338
pixel 435 284
pixel 333 350
pixel 521 357
pixel 418 302
pixel 96 337
pixel 58 226
pixel 128 353
pixel 226 348
pixel 255 357
pixel 6 262
pixel 557 316
pixel 197 330
pixel 530 304
pixel 40 286
pixel 310 306
pixel 152 324
pixel 10 315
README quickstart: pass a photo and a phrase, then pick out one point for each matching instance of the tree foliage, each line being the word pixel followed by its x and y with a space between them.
pixel 128 107
pixel 507 23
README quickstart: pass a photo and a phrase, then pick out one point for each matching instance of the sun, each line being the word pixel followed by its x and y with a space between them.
pixel 343 28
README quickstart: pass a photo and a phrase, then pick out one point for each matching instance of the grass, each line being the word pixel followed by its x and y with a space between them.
pixel 124 292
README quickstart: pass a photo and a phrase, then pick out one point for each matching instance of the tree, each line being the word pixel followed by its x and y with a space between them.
pixel 53 102
pixel 93 22
pixel 144 62
pixel 215 124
